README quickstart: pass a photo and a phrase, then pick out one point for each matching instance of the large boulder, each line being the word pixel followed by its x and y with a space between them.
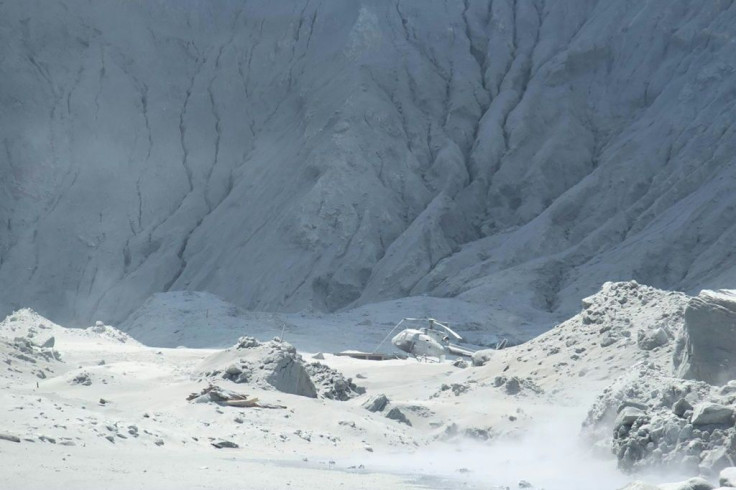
pixel 707 350
pixel 727 477
pixel 712 413
pixel 691 484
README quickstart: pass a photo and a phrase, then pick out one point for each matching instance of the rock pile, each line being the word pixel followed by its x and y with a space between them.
pixel 110 332
pixel 668 423
pixel 618 309
pixel 331 384
pixel 276 364
pixel 26 350
pixel 23 356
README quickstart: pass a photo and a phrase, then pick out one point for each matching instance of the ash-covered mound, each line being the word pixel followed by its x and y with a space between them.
pixel 621 325
pixel 277 365
pixel 111 333
pixel 27 347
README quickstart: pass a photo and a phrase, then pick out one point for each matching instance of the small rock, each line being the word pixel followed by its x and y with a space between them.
pixel 458 388
pixel 159 442
pixel 233 370
pixel 49 343
pixel 607 340
pixel 512 386
pixel 225 444
pixel 653 339
pixel 398 415
pixel 82 379
pixel 627 417
pixel 588 302
pixel 460 363
pixel 680 407
pixel 481 357
pixel 319 356
pixel 376 403
pixel 525 484
pixel 9 437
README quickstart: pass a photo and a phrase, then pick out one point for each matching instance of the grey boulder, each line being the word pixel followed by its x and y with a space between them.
pixel 712 413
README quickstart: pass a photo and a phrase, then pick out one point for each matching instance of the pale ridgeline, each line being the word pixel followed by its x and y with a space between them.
pixel 631 388
pixel 300 155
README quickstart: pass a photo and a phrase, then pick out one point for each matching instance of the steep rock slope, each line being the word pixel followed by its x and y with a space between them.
pixel 297 155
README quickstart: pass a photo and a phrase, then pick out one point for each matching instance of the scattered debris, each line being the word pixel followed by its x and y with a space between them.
pixel 369 356
pixel 228 398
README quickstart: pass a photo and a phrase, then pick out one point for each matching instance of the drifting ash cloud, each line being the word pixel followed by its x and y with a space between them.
pixel 550 456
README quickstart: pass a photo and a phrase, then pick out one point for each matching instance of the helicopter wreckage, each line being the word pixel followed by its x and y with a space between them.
pixel 435 340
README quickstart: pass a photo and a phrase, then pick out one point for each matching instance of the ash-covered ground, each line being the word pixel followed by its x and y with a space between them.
pixel 620 392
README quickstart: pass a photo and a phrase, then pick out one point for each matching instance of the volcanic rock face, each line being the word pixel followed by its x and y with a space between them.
pixel 291 155
pixel 706 350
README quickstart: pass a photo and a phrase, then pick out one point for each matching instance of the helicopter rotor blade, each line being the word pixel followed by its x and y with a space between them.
pixel 449 330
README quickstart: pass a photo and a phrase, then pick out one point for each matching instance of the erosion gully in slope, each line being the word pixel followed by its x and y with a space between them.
pixel 320 155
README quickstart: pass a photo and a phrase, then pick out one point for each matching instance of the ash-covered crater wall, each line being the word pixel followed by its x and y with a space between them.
pixel 315 155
